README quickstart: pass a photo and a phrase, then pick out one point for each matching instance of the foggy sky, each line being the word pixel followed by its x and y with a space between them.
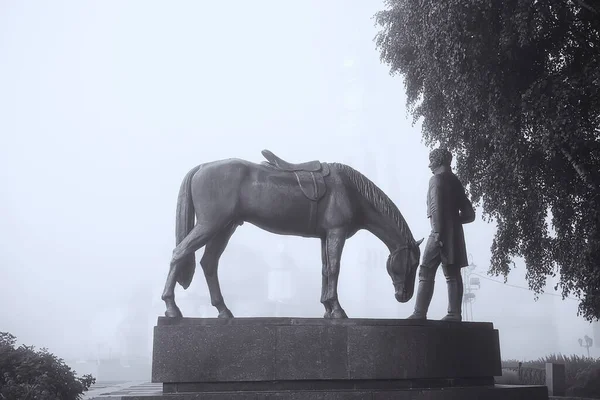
pixel 105 106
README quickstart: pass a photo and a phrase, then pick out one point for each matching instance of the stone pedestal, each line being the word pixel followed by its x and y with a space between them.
pixel 306 358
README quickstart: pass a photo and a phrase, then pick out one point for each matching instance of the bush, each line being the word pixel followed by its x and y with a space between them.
pixel 29 374
pixel 582 374
pixel 510 364
pixel 587 383
pixel 573 365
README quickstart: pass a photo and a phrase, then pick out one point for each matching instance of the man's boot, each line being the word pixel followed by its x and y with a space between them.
pixel 424 293
pixel 455 295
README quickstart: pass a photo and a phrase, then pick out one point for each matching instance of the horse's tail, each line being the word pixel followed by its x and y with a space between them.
pixel 184 223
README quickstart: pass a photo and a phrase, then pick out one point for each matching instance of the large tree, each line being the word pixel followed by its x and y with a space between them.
pixel 513 89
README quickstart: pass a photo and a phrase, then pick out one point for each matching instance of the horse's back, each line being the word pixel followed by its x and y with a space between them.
pixel 223 166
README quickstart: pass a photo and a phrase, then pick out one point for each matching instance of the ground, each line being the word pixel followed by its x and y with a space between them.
pixel 114 390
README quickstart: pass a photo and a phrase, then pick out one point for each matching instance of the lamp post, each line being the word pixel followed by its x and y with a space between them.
pixel 589 342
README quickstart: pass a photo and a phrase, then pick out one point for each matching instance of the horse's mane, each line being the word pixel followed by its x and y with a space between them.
pixel 375 196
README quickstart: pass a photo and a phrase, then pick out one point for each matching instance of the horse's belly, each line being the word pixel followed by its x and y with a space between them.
pixel 276 203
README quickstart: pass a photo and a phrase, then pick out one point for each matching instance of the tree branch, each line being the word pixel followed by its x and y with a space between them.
pixel 580 169
pixel 583 4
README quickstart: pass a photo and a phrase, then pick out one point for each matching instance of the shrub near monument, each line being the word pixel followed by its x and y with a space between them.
pixel 26 373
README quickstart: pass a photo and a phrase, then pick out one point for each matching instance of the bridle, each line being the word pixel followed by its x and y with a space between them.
pixel 408 245
pixel 398 249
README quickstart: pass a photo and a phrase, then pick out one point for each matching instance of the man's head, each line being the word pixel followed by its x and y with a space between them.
pixel 438 158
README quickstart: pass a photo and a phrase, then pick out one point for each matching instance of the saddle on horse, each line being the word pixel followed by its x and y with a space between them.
pixel 310 175
pixel 309 166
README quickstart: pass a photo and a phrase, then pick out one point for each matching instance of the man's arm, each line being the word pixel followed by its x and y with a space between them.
pixel 467 213
pixel 436 199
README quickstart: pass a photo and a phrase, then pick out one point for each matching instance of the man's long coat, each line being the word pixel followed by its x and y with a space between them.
pixel 448 209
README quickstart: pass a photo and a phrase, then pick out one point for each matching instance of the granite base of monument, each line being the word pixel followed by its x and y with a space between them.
pixel 314 358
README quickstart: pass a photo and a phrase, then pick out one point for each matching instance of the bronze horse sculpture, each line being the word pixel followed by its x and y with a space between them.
pixel 329 201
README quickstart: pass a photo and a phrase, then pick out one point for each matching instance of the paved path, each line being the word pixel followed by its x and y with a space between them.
pixel 115 390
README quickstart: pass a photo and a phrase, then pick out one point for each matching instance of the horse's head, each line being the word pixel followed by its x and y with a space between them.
pixel 402 266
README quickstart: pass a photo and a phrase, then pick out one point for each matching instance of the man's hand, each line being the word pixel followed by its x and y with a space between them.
pixel 436 238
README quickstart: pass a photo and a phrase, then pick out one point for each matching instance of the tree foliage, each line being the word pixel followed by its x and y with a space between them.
pixel 27 374
pixel 513 89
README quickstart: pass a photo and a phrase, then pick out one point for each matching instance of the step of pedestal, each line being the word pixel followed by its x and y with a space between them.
pixel 476 393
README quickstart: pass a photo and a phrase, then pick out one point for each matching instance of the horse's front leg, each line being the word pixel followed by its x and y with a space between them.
pixel 332 249
pixel 325 279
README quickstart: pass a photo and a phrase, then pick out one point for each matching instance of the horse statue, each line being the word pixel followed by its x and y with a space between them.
pixel 329 201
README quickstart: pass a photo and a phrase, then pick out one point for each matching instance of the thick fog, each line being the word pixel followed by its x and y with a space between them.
pixel 105 106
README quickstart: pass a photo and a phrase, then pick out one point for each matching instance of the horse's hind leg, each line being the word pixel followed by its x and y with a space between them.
pixel 210 264
pixel 197 238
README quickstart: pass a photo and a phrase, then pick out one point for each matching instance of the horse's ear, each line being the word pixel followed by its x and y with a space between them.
pixel 418 242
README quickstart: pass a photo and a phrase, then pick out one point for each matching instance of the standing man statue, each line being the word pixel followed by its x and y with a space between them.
pixel 448 208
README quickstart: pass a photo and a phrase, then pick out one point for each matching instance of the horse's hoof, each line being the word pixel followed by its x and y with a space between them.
pixel 225 314
pixel 338 314
pixel 173 312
